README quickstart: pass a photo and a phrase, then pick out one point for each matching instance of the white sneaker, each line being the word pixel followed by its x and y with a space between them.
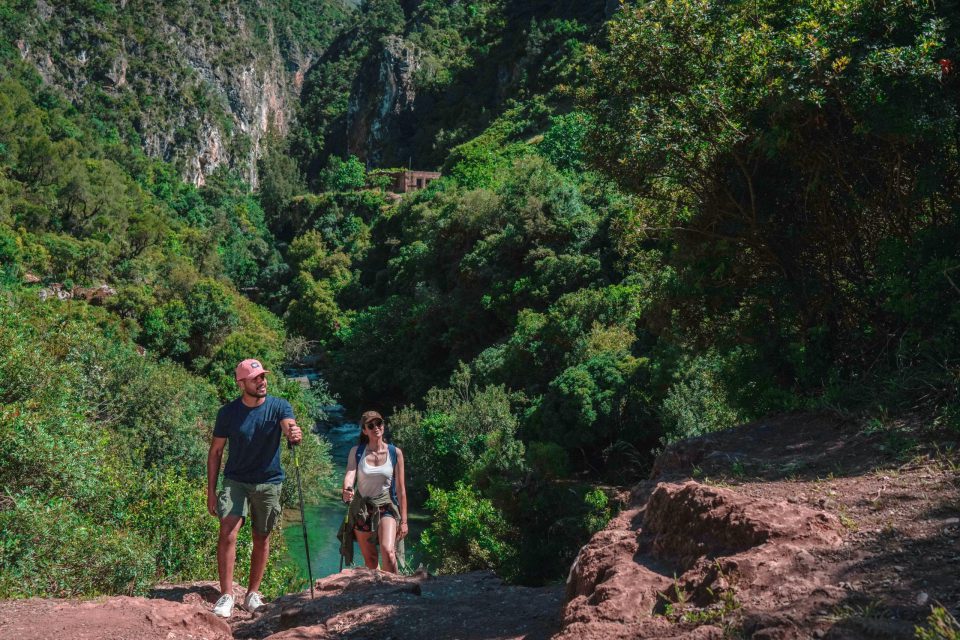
pixel 253 601
pixel 224 606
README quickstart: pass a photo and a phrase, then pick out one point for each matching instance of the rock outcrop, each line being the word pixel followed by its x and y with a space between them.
pixel 787 532
pixel 696 544
pixel 382 99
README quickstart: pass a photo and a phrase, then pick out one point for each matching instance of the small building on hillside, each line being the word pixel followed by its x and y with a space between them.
pixel 407 180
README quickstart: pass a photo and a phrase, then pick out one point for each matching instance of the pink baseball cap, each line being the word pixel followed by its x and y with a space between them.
pixel 249 368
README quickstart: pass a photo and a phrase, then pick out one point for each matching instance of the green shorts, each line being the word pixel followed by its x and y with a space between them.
pixel 261 501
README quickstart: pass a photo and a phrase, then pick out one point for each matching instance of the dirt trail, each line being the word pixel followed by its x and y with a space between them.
pixel 796 527
pixel 356 603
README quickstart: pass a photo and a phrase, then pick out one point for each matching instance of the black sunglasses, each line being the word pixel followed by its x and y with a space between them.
pixel 375 424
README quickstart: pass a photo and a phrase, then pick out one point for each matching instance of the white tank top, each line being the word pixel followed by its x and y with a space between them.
pixel 371 480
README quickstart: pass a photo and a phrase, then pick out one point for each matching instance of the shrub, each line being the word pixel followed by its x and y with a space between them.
pixel 51 548
pixel 465 432
pixel 697 403
pixel 467 533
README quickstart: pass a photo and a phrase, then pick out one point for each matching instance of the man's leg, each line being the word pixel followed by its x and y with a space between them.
pixel 227 551
pixel 258 560
pixel 264 515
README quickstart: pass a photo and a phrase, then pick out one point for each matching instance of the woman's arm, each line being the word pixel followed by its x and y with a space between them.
pixel 401 496
pixel 347 494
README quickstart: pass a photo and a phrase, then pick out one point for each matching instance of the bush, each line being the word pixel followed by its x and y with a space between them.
pixel 467 533
pixel 941 625
pixel 465 432
pixel 50 548
pixel 548 459
pixel 697 403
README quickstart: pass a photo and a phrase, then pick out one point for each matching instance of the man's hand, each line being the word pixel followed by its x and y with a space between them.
pixel 294 434
pixel 346 495
pixel 212 504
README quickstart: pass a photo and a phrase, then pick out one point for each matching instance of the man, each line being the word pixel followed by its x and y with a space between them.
pixel 252 424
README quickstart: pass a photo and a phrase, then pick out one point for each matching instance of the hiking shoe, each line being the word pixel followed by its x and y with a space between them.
pixel 253 601
pixel 224 606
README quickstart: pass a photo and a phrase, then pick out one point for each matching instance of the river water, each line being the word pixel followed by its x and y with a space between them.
pixel 324 517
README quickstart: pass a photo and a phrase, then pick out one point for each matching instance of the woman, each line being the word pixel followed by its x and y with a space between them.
pixel 378 507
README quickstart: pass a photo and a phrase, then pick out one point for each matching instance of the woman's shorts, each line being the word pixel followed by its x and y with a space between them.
pixel 363 525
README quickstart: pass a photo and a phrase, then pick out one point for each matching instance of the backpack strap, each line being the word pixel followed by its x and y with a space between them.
pixel 360 449
pixel 392 452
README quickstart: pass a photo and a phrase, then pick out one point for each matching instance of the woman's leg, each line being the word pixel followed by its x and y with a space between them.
pixel 367 548
pixel 388 543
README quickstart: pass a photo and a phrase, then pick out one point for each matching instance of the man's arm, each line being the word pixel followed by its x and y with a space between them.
pixel 214 458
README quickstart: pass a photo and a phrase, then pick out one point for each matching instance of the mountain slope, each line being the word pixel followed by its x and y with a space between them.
pixel 191 81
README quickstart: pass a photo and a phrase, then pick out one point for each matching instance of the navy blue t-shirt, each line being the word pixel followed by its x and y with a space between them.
pixel 253 435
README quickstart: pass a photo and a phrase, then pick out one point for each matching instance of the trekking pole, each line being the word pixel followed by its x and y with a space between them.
pixel 346 517
pixel 303 514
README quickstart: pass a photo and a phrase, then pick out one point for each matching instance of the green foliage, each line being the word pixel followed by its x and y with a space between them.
pixel 584 405
pixel 124 64
pixel 548 459
pixel 563 143
pixel 103 459
pixel 598 510
pixel 941 625
pixel 104 449
pixel 50 548
pixel 87 450
pixel 742 208
pixel 475 61
pixel 755 136
pixel 467 533
pixel 343 175
pixel 485 161
pixel 212 315
pixel 697 403
pixel 280 178
pixel 315 313
pixel 554 520
pixel 166 329
pixel 464 432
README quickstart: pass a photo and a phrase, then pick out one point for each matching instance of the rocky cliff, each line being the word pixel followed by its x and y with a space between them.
pixel 410 80
pixel 382 100
pixel 194 82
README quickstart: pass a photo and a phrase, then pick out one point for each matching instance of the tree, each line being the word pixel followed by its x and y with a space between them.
pixel 344 175
pixel 212 316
